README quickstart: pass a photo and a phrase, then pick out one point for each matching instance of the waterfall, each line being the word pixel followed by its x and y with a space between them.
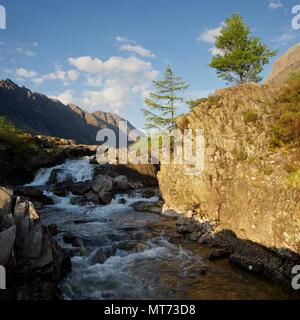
pixel 77 170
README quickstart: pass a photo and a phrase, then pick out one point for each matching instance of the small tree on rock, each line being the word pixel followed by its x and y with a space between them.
pixel 242 57
pixel 161 106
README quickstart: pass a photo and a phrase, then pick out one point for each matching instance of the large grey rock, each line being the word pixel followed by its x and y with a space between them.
pixel 7 240
pixel 121 183
pixel 102 184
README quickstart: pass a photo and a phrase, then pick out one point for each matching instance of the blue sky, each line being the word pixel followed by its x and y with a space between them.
pixel 103 55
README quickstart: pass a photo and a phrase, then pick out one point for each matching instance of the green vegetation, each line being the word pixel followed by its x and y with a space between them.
pixel 160 111
pixel 15 148
pixel 293 179
pixel 210 101
pixel 250 116
pixel 286 125
pixel 242 57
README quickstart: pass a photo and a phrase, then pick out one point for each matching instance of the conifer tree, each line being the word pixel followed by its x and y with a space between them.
pixel 161 106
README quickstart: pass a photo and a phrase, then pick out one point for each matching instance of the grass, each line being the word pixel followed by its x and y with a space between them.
pixel 250 117
pixel 286 124
pixel 293 179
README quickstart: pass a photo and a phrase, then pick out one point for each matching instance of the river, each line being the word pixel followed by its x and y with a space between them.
pixel 143 262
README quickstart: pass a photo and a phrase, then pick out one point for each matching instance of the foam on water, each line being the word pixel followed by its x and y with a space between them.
pixel 78 170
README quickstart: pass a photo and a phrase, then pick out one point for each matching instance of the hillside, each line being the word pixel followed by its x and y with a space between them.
pixel 40 115
pixel 250 184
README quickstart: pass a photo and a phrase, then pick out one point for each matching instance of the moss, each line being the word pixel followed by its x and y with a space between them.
pixel 250 117
pixel 293 179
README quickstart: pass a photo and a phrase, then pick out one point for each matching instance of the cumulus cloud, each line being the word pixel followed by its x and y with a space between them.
pixel 24 73
pixel 137 49
pixel 132 46
pixel 120 81
pixel 274 5
pixel 112 66
pixel 210 35
pixel 57 75
pixel 65 97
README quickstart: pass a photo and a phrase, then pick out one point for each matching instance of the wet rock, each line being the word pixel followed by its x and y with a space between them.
pixel 148 206
pixel 106 198
pixel 92 197
pixel 184 230
pixel 98 257
pixel 131 246
pixel 182 221
pixel 80 188
pixel 218 254
pixel 69 238
pixel 122 201
pixel 102 184
pixel 53 229
pixel 84 221
pixel 59 191
pixel 6 198
pixel 7 240
pixel 53 176
pixel 34 195
pixel 149 193
pixel 121 183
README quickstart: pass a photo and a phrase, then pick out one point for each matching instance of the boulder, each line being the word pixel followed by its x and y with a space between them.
pixel 98 257
pixel 122 201
pixel 218 254
pixel 121 183
pixel 69 238
pixel 80 188
pixel 147 206
pixel 53 229
pixel 7 240
pixel 102 184
pixel 6 197
pixel 106 198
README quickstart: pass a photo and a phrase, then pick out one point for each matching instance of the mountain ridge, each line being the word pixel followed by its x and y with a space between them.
pixel 40 115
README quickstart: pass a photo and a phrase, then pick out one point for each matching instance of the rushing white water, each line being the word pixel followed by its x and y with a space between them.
pixel 77 170
pixel 139 260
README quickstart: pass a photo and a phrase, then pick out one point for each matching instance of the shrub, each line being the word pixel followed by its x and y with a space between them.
pixel 286 125
pixel 293 179
pixel 250 116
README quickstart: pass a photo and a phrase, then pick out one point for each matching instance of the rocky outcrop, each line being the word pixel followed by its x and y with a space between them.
pixel 48 152
pixel 244 187
pixel 40 115
pixel 33 260
pixel 284 66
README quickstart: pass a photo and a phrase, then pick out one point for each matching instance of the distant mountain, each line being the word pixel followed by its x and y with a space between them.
pixel 40 115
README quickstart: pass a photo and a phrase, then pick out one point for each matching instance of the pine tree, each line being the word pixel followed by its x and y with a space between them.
pixel 162 105
pixel 241 57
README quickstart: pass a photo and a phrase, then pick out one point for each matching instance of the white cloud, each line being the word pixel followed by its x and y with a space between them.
pixel 24 73
pixel 114 65
pixel 137 49
pixel 273 5
pixel 215 51
pixel 124 39
pixel 35 44
pixel 132 46
pixel 210 35
pixel 120 80
pixel 25 52
pixel 94 81
pixel 73 75
pixel 285 37
pixel 65 97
